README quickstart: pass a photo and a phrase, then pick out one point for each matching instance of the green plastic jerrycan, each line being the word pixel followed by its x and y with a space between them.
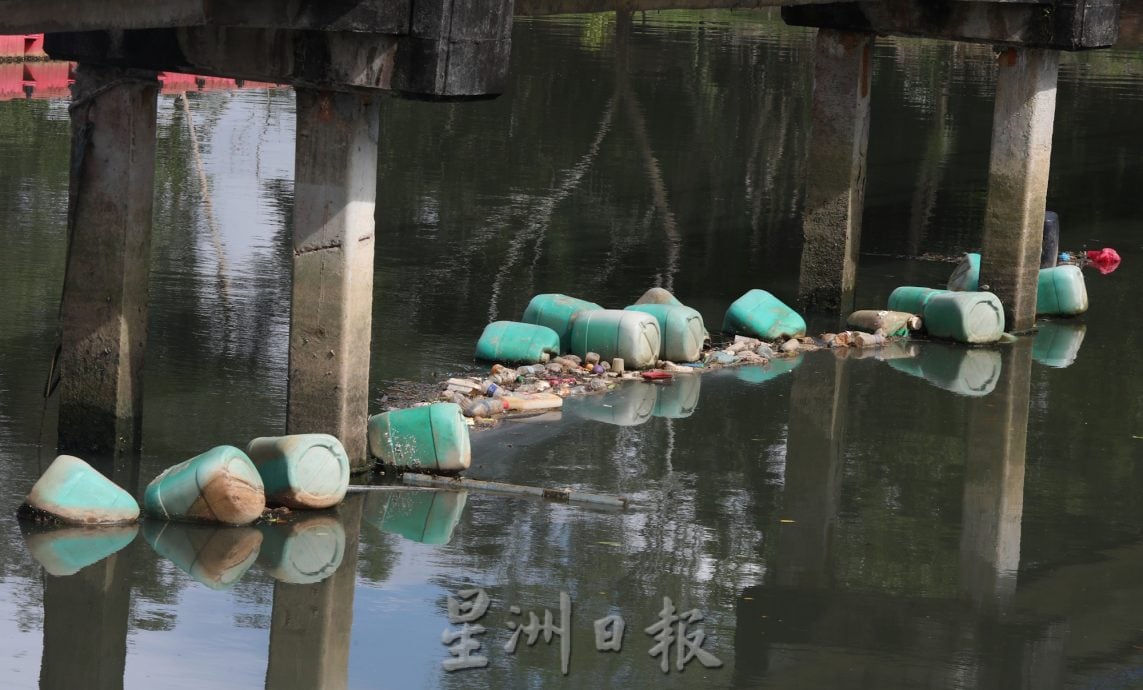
pixel 679 398
pixel 681 329
pixel 432 438
pixel 629 404
pixel 1061 291
pixel 76 493
pixel 428 517
pixel 971 372
pixel 762 315
pixel 302 471
pixel 302 551
pixel 761 373
pixel 1057 345
pixel 557 312
pixel 631 335
pixel 215 555
pixel 220 485
pixel 966 317
pixel 65 550
pixel 912 299
pixel 517 343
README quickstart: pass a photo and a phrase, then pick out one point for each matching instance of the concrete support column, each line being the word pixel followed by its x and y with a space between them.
pixel 1018 180
pixel 104 307
pixel 335 191
pixel 835 181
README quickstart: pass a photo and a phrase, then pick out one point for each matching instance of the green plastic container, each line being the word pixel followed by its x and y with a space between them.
pixel 76 493
pixel 679 398
pixel 65 550
pixel 681 330
pixel 517 343
pixel 631 335
pixel 628 404
pixel 302 551
pixel 302 471
pixel 761 373
pixel 1061 291
pixel 762 315
pixel 557 312
pixel 428 517
pixel 966 317
pixel 912 299
pixel 966 276
pixel 433 438
pixel 971 372
pixel 1057 345
pixel 221 485
pixel 215 555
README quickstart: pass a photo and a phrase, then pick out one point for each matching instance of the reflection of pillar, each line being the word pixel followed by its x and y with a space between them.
pixel 1021 156
pixel 815 444
pixel 994 482
pixel 835 182
pixel 335 191
pixel 104 307
pixel 310 624
pixel 85 627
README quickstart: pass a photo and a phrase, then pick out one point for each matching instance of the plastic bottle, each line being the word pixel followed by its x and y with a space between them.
pixel 484 408
pixel 491 389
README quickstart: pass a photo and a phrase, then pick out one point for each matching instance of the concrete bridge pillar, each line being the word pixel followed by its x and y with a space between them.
pixel 1021 155
pixel 335 192
pixel 835 182
pixel 104 306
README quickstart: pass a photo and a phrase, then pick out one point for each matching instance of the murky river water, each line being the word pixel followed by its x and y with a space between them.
pixel 951 519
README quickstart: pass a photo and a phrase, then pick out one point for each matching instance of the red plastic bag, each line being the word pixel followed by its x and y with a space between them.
pixel 1105 260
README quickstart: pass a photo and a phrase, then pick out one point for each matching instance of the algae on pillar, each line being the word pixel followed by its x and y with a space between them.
pixel 331 319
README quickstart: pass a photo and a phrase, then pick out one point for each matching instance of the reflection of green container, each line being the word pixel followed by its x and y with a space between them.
pixel 629 335
pixel 1061 291
pixel 680 328
pixel 215 555
pixel 432 438
pixel 67 550
pixel 966 317
pixel 302 551
pixel 301 470
pixel 428 517
pixel 912 299
pixel 762 315
pixel 76 493
pixel 221 485
pixel 966 275
pixel 970 372
pixel 517 343
pixel 679 398
pixel 557 312
pixel 1057 344
pixel 761 373
pixel 629 404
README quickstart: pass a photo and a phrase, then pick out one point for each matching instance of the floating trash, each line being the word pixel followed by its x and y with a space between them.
pixel 220 485
pixel 557 312
pixel 302 471
pixel 432 438
pixel 73 492
pixel 517 343
pixel 681 330
pixel 762 315
pixel 632 336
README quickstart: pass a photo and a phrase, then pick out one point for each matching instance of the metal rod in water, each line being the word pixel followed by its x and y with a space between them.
pixel 565 495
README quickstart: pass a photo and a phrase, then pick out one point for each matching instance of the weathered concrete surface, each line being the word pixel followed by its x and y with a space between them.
pixel 104 308
pixel 835 181
pixel 546 7
pixel 1018 169
pixel 330 323
pixel 310 624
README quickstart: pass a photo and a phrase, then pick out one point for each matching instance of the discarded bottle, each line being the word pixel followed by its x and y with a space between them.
pixel 631 335
pixel 509 341
pixel 658 295
pixel 971 372
pixel 73 492
pixel 891 323
pixel 1061 291
pixel 214 555
pixel 487 407
pixel 1057 345
pixel 617 365
pixel 302 551
pixel 305 471
pixel 912 299
pixel 533 401
pixel 557 312
pixel 221 485
pixel 967 317
pixel 491 389
pixel 762 315
pixel 427 517
pixel 682 329
pixel 65 550
pixel 432 438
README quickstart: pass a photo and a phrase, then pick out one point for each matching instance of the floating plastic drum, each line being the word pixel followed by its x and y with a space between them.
pixel 630 404
pixel 76 493
pixel 1061 291
pixel 221 485
pixel 966 275
pixel 517 343
pixel 433 438
pixel 678 399
pixel 630 335
pixel 1057 344
pixel 428 517
pixel 557 312
pixel 967 317
pixel 67 550
pixel 762 315
pixel 306 471
pixel 215 555
pixel 911 299
pixel 681 329
pixel 302 552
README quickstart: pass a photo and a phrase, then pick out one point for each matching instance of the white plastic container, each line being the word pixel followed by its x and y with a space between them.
pixel 631 335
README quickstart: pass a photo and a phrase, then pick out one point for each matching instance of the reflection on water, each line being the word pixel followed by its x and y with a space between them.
pixel 64 550
pixel 836 523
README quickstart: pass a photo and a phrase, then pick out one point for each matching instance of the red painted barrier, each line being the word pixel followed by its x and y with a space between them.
pixel 12 46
